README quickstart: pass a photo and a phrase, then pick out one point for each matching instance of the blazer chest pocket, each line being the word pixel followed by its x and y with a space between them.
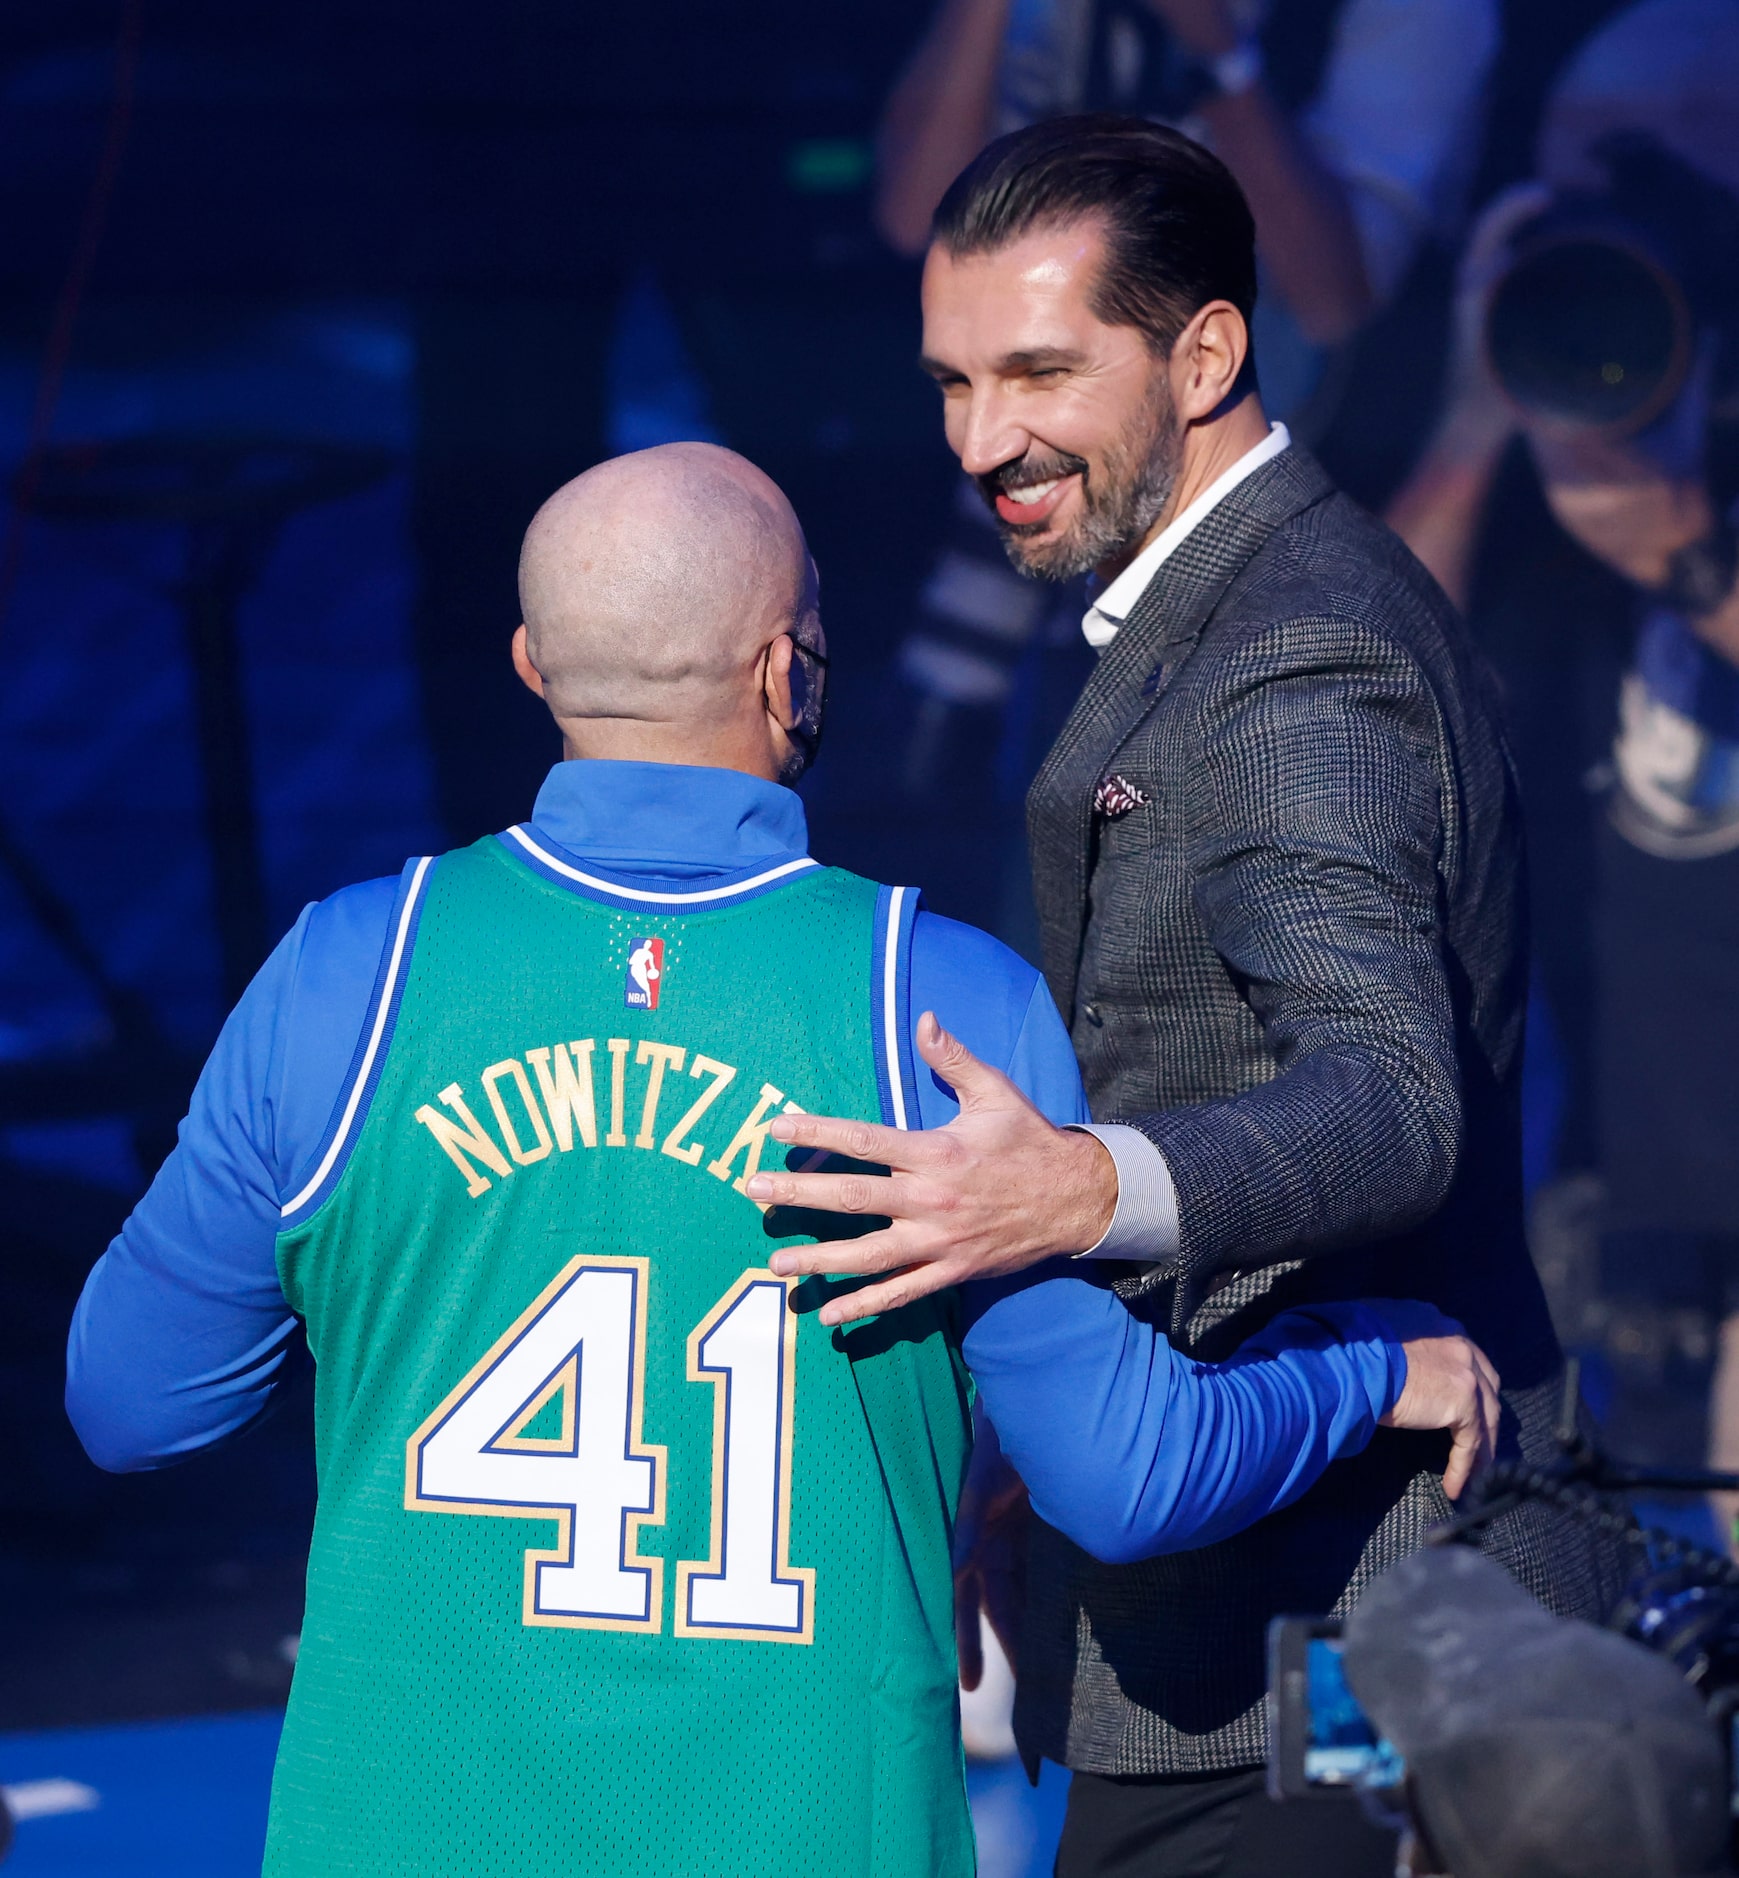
pixel 1121 796
pixel 1129 821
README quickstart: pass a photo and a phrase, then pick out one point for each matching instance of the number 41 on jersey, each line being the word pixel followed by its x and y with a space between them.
pixel 576 1358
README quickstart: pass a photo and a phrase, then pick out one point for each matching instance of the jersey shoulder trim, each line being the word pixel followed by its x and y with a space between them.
pixel 529 847
pixel 365 1066
pixel 891 995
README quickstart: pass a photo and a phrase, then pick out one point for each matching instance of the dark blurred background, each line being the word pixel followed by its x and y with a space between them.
pixel 303 310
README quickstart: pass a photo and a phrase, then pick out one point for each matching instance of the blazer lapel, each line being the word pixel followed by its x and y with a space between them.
pixel 1131 676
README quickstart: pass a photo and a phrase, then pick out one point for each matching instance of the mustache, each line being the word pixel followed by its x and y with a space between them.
pixel 1026 470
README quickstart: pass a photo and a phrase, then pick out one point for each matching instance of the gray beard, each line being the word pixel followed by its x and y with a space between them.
pixel 1115 516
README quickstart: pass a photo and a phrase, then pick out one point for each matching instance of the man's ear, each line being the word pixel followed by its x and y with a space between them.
pixel 778 685
pixel 529 675
pixel 1207 360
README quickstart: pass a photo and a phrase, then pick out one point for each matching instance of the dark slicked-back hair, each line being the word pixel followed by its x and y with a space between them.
pixel 1178 230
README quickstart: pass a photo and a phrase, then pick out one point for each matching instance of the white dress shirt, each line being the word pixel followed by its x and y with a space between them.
pixel 1145 1223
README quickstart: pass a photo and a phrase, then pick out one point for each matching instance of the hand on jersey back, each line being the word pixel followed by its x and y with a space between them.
pixel 995 1191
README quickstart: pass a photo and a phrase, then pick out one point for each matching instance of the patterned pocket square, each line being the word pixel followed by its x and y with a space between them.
pixel 1116 795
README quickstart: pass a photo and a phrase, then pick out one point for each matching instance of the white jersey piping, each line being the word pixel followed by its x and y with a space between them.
pixel 890 1004
pixel 394 966
pixel 659 899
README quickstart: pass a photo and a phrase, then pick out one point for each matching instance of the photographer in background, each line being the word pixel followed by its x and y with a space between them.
pixel 1349 124
pixel 1599 326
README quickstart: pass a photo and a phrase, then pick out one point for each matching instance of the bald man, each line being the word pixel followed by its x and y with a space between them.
pixel 688 560
pixel 478 1140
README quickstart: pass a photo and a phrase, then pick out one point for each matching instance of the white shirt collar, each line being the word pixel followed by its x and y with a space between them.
pixel 1111 608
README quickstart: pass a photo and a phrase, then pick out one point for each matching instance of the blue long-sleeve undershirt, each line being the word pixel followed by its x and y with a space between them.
pixel 182 1336
pixel 1144 1451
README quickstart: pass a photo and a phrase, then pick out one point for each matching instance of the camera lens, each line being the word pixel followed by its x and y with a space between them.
pixel 1590 330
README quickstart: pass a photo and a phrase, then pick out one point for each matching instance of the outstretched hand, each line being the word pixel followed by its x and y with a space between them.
pixel 1450 1384
pixel 996 1190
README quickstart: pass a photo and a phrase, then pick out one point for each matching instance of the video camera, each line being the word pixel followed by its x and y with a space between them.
pixel 1505 1742
pixel 1608 297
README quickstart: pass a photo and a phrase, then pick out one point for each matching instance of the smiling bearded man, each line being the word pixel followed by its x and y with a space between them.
pixel 1139 471
pixel 1277 859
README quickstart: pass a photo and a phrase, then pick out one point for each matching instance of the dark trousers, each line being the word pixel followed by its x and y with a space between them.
pixel 1214 1826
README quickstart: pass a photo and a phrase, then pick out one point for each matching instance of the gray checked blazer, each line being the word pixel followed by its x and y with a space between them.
pixel 1297 965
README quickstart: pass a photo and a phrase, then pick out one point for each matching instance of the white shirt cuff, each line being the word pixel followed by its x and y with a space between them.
pixel 1144 1226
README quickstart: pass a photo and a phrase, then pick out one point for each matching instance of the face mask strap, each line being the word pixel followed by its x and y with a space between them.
pixel 806 732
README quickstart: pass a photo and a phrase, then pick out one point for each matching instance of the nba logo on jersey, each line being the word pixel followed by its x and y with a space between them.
pixel 645 970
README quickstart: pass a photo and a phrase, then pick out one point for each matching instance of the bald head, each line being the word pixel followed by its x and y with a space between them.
pixel 651 585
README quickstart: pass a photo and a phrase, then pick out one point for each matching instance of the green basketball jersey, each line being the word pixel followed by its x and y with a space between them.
pixel 623 1564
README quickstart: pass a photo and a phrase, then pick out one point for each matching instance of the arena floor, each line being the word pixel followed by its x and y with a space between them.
pixel 187 1799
